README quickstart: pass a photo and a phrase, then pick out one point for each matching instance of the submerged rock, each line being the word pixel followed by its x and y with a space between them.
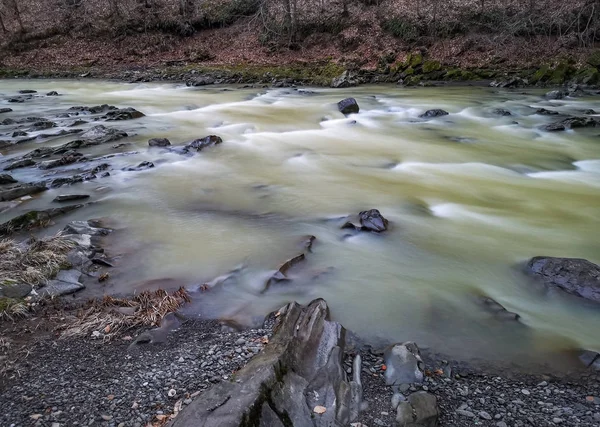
pixel 420 410
pixel 20 191
pixel 434 113
pixel 544 112
pixel 52 93
pixel 5 110
pixel 348 106
pixel 575 276
pixel 142 166
pixel 26 91
pixel 159 142
pixel 299 370
pixel 502 112
pixel 404 364
pixel 70 197
pixel 498 310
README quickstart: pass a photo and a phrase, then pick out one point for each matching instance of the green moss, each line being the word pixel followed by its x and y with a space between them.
pixel 6 304
pixel 412 80
pixel 561 73
pixel 453 74
pixel 594 59
pixel 589 75
pixel 431 66
pixel 541 75
pixel 416 59
pixel 467 75
pixel 409 71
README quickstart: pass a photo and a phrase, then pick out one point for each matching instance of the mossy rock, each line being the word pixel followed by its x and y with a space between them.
pixel 412 80
pixel 561 73
pixel 594 59
pixel 408 72
pixel 416 59
pixel 431 66
pixel 588 76
pixel 541 75
pixel 453 74
pixel 13 289
pixel 467 75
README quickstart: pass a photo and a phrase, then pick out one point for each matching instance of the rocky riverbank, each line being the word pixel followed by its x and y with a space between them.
pixel 125 381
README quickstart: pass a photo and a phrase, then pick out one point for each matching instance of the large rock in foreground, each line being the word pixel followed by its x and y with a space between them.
pixel 300 370
pixel 348 106
pixel 573 275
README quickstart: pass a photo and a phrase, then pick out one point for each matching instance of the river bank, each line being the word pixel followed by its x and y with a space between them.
pixel 47 380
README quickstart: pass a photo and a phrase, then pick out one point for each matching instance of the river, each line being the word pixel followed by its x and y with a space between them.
pixel 470 196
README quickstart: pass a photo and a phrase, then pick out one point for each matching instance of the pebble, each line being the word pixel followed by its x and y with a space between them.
pixel 106 417
pixel 485 415
pixel 525 392
pixel 557 420
pixel 501 424
pixel 465 413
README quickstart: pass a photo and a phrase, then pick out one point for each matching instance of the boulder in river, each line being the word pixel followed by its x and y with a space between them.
pixel 26 91
pixel 498 309
pixel 23 163
pixel 20 191
pixel 571 123
pixel 52 93
pixel 348 106
pixel 502 112
pixel 555 94
pixel 297 380
pixel 159 142
pixel 6 179
pixel 544 112
pixel 123 114
pixel 419 410
pixel 437 112
pixel 404 364
pixel 202 143
pixel 575 276
pixel 5 110
pixel 372 220
pixel 67 159
pixel 142 166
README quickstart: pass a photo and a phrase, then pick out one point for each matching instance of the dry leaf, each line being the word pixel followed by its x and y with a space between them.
pixel 135 405
pixel 110 397
pixel 127 338
pixel 160 417
pixel 319 409
pixel 264 340
pixel 107 329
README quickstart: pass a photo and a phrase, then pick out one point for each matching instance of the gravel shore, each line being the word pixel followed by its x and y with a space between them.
pixel 92 382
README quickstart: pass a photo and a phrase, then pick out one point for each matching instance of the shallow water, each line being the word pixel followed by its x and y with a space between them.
pixel 469 196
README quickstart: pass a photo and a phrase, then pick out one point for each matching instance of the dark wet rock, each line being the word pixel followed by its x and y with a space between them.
pixel 7 122
pixel 20 191
pixel 202 143
pixel 140 167
pixel 307 242
pixel 159 142
pixel 200 81
pixel 27 91
pixel 346 79
pixel 19 133
pixel 590 112
pixel 571 123
pixel 59 182
pixel 544 112
pixel 5 110
pixel 372 220
pixel 34 219
pixel 6 179
pixel 70 197
pixel 12 289
pixel 576 91
pixel 433 113
pixel 52 93
pixel 93 110
pixel 498 310
pixel 555 94
pixel 23 163
pixel 78 122
pixel 404 364
pixel 509 83
pixel 575 276
pixel 300 369
pixel 123 114
pixel 91 228
pixel 420 410
pixel 348 106
pixel 63 161
pixel 101 131
pixel 18 99
pixel 502 112
pixel 41 125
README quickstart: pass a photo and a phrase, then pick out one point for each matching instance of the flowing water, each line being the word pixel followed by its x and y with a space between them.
pixel 470 196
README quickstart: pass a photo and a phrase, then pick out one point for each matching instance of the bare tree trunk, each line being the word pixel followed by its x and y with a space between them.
pixel 17 13
pixel 4 30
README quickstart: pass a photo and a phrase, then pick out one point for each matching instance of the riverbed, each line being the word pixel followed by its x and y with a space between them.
pixel 470 197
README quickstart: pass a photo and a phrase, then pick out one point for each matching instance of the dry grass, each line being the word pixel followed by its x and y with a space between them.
pixel 112 315
pixel 12 309
pixel 34 262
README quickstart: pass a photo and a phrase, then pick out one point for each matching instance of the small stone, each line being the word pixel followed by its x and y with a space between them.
pixel 187 401
pixel 485 415
pixel 543 384
pixel 106 417
pixel 557 420
pixel 172 392
pixel 181 359
pixel 464 413
pixel 525 392
pixel 501 424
